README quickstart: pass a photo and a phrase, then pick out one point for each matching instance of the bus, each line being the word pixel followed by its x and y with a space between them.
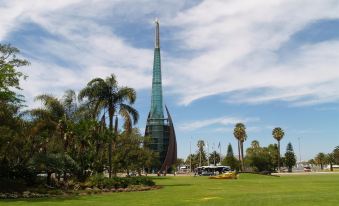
pixel 211 170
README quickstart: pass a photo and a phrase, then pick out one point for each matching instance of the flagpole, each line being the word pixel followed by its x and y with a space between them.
pixel 208 156
pixel 214 153
pixel 220 149
pixel 190 156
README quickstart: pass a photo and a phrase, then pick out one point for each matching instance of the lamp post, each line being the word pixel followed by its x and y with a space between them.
pixel 299 150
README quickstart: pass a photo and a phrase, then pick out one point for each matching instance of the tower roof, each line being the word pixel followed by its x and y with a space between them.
pixel 157 33
pixel 157 105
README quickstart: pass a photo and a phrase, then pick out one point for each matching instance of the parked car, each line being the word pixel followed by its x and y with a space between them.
pixel 307 169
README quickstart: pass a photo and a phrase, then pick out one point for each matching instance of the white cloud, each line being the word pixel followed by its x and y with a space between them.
pixel 82 43
pixel 224 121
pixel 236 44
pixel 231 45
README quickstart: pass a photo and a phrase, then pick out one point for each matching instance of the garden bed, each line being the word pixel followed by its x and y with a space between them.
pixel 94 185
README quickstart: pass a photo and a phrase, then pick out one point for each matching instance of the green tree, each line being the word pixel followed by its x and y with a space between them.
pixel 290 159
pixel 240 134
pixel 9 75
pixel 201 155
pixel 278 134
pixel 230 160
pixel 320 159
pixel 336 154
pixel 330 159
pixel 214 157
pixel 274 157
pixel 109 98
pixel 258 157
pixel 129 154
pixel 311 162
pixel 192 160
pixel 53 121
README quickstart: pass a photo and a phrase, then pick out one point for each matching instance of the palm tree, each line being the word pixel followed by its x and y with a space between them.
pixel 48 117
pixel 278 134
pixel 107 97
pixel 320 159
pixel 336 154
pixel 201 145
pixel 240 134
pixel 330 159
pixel 255 144
pixel 53 117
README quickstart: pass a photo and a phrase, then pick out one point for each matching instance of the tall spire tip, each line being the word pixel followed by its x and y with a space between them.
pixel 157 33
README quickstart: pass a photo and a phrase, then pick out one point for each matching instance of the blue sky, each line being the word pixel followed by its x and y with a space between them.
pixel 264 63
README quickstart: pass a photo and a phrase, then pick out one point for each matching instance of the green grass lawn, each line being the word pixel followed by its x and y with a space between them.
pixel 248 190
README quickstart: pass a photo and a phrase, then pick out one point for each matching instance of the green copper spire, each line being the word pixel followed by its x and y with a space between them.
pixel 156 105
pixel 158 128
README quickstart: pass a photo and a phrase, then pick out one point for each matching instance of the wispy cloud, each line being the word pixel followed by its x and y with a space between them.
pixel 80 45
pixel 237 45
pixel 224 121
pixel 229 48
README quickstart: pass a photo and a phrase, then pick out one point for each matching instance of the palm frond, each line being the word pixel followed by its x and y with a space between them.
pixel 127 94
pixel 127 119
pixel 131 111
pixel 111 81
pixel 52 104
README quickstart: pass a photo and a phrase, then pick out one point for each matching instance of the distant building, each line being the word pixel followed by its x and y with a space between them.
pixel 158 128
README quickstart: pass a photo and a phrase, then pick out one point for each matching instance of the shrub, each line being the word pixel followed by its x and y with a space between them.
pixel 102 182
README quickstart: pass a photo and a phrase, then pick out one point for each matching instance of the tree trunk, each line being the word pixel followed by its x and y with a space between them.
pixel 279 156
pixel 110 144
pixel 239 150
pixel 48 180
pixel 242 155
pixel 116 134
pixel 331 166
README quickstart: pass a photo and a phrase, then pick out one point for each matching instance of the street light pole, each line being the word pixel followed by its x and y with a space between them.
pixel 299 150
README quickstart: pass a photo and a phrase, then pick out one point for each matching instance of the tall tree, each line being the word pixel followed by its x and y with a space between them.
pixel 320 159
pixel 273 151
pixel 9 75
pixel 290 159
pixel 330 159
pixel 240 134
pixel 230 160
pixel 109 98
pixel 53 120
pixel 278 134
pixel 201 152
pixel 336 154
pixel 214 157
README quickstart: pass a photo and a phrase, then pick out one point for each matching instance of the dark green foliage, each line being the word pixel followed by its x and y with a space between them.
pixel 330 159
pixel 107 98
pixel 200 156
pixel 129 155
pixel 320 159
pixel 9 76
pixel 261 158
pixel 229 151
pixel 118 182
pixel 240 134
pixel 64 137
pixel 336 154
pixel 290 159
pixel 278 134
pixel 230 160
pixel 214 157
